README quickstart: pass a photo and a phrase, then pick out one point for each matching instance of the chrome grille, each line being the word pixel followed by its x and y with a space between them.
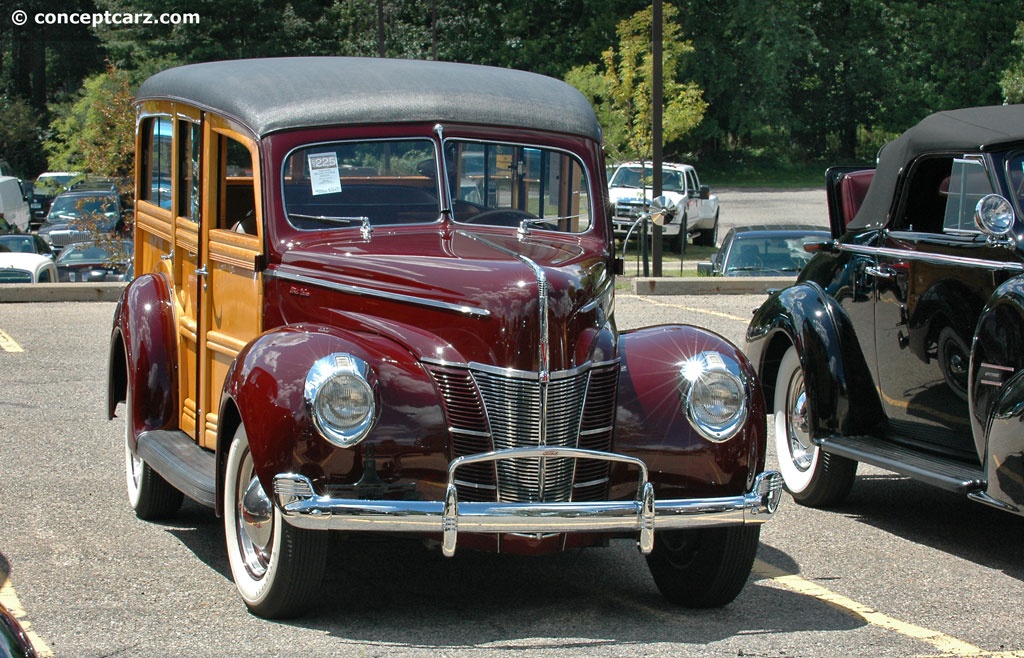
pixel 495 409
pixel 64 238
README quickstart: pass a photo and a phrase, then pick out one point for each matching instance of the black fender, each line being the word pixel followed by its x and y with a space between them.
pixel 652 425
pixel 264 390
pixel 996 387
pixel 838 380
pixel 143 355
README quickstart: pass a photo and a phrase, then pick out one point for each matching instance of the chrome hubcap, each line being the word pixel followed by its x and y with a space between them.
pixel 798 428
pixel 254 521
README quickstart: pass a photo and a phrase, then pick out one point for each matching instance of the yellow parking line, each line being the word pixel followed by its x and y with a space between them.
pixel 8 344
pixel 945 644
pixel 9 600
pixel 694 309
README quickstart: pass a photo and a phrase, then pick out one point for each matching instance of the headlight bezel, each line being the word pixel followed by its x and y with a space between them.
pixel 345 370
pixel 696 374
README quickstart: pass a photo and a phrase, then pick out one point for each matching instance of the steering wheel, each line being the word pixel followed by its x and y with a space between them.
pixel 499 217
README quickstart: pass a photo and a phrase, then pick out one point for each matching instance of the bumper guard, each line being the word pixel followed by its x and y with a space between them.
pixel 303 508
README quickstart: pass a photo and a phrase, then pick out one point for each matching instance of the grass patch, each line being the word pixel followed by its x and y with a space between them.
pixel 672 263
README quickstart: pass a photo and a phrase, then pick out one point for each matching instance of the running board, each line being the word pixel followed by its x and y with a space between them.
pixel 945 473
pixel 179 460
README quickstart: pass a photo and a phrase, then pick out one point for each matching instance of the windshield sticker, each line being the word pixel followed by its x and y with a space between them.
pixel 323 173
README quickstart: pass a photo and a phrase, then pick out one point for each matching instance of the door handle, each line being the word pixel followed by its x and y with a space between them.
pixel 880 272
pixel 201 271
pixel 168 256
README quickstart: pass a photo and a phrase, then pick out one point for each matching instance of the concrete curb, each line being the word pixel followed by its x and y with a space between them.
pixel 710 285
pixel 691 285
pixel 61 292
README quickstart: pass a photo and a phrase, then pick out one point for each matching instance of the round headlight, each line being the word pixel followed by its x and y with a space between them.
pixel 341 399
pixel 714 397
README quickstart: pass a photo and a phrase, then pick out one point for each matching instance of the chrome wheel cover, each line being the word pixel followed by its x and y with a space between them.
pixel 798 430
pixel 254 520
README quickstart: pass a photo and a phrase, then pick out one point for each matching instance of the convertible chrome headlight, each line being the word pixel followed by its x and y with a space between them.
pixel 340 398
pixel 714 396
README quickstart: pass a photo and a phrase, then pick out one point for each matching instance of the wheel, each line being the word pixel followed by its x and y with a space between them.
pixel 954 359
pixel 813 477
pixel 708 237
pixel 675 242
pixel 151 496
pixel 277 568
pixel 703 568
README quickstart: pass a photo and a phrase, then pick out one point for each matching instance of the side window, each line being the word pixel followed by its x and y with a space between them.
pixel 968 182
pixel 155 185
pixel 189 196
pixel 236 193
pixel 923 207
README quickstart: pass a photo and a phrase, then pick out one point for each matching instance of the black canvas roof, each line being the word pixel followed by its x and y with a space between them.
pixel 270 95
pixel 969 130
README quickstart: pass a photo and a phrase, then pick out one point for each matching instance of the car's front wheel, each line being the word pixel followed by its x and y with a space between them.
pixel 151 496
pixel 277 568
pixel 703 568
pixel 814 478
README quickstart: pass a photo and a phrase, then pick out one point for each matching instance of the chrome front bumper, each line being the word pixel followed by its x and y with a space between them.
pixel 303 508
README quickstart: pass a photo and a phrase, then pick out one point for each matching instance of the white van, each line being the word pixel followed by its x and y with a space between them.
pixel 13 206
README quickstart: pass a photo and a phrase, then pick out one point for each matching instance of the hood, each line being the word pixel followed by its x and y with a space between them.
pixel 463 295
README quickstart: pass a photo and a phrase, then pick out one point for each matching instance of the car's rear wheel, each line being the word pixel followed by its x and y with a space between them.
pixel 708 237
pixel 814 478
pixel 151 496
pixel 277 568
pixel 703 568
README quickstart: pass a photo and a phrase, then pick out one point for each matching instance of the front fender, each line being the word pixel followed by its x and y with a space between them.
pixel 843 395
pixel 996 388
pixel 651 424
pixel 143 355
pixel 264 391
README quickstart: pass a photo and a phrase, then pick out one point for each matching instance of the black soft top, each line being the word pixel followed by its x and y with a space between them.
pixel 970 130
pixel 270 95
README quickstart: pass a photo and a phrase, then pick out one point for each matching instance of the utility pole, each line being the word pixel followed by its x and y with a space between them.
pixel 656 132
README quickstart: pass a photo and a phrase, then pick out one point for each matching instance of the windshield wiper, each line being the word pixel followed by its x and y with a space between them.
pixel 365 229
pixel 330 218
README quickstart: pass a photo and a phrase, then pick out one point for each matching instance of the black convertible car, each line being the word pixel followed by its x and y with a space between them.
pixel 902 342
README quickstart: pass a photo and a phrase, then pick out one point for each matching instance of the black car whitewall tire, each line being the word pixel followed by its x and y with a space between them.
pixel 277 568
pixel 814 478
pixel 150 495
pixel 703 568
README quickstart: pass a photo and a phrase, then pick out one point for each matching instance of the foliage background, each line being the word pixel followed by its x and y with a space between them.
pixel 787 84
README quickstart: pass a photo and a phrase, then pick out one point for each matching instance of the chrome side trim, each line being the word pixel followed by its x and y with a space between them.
pixel 642 515
pixel 462 309
pixel 934 259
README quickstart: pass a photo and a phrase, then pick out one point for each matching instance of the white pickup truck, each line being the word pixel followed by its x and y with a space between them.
pixel 630 191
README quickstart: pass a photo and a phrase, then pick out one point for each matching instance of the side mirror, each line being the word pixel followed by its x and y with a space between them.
pixel 705 192
pixel 994 216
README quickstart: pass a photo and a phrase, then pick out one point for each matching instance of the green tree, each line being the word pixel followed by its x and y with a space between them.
pixel 621 87
pixel 96 133
pixel 20 136
pixel 1012 80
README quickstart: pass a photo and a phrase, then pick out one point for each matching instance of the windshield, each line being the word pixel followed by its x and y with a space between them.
pixel 508 184
pixel 350 183
pixel 630 176
pixel 381 182
pixel 76 206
